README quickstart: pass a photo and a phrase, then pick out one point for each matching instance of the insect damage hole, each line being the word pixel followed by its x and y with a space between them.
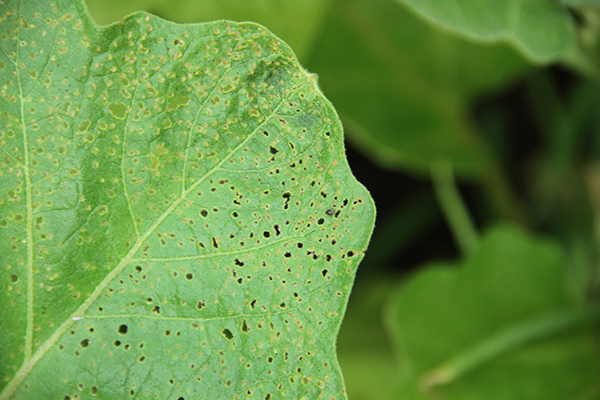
pixel 122 329
pixel 227 334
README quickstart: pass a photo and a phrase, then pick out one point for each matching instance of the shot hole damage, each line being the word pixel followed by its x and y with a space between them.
pixel 227 334
pixel 208 183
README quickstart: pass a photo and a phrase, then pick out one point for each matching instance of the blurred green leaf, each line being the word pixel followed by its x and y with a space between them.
pixel 503 322
pixel 542 30
pixel 363 347
pixel 296 22
pixel 403 89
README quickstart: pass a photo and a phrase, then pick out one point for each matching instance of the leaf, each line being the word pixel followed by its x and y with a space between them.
pixel 364 350
pixel 404 89
pixel 500 325
pixel 177 216
pixel 296 22
pixel 542 30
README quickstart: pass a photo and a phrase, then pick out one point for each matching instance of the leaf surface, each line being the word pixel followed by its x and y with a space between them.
pixel 296 22
pixel 404 89
pixel 510 295
pixel 542 30
pixel 177 216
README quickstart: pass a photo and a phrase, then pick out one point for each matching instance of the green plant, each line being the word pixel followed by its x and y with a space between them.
pixel 500 96
pixel 178 219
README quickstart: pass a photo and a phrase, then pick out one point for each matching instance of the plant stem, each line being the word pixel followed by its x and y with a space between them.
pixel 505 342
pixel 455 211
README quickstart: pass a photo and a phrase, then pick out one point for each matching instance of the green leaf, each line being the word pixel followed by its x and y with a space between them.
pixel 364 350
pixel 296 22
pixel 542 30
pixel 501 325
pixel 404 89
pixel 177 216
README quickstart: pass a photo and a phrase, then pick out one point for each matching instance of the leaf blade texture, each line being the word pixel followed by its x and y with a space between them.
pixel 166 194
pixel 297 23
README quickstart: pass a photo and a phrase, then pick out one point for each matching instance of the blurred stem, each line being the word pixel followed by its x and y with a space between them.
pixel 502 196
pixel 454 209
pixel 592 180
pixel 507 341
pixel 562 124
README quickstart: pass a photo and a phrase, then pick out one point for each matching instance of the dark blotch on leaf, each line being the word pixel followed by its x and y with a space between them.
pixel 227 334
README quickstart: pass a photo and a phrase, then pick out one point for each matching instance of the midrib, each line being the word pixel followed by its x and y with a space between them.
pixel 29 206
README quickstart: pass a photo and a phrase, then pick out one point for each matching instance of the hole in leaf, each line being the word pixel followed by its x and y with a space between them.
pixel 84 343
pixel 122 329
pixel 227 334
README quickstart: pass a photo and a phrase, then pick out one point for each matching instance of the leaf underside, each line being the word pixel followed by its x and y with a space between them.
pixel 177 216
